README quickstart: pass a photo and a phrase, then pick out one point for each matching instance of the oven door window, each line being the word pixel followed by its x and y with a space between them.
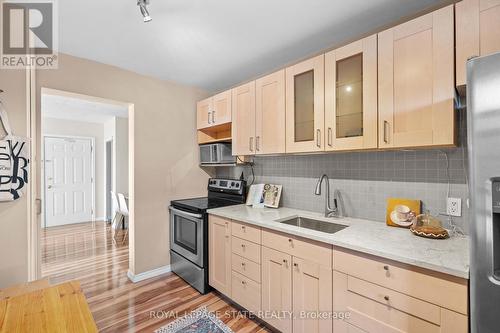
pixel 186 233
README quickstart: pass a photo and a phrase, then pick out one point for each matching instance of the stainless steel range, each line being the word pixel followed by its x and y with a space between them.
pixel 189 229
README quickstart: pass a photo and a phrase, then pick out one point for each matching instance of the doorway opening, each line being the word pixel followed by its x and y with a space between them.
pixel 84 164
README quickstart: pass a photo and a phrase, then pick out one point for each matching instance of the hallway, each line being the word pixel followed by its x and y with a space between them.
pixel 89 255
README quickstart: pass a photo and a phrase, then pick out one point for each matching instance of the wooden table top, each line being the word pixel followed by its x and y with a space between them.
pixel 61 308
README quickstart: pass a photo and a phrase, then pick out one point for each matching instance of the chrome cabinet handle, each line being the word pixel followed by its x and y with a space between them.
pixel 386 131
pixel 209 114
pixel 257 143
pixel 250 143
pixel 213 117
pixel 330 136
pixel 318 138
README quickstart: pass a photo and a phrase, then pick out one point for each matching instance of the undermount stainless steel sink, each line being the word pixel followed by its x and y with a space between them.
pixel 317 225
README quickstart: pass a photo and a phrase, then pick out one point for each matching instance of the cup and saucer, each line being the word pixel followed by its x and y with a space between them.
pixel 402 216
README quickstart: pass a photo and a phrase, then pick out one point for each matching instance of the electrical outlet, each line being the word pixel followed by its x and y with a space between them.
pixel 454 207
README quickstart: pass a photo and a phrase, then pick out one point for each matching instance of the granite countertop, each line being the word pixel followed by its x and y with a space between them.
pixel 449 256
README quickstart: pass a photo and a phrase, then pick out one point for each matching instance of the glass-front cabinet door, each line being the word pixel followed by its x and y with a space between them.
pixel 351 96
pixel 305 106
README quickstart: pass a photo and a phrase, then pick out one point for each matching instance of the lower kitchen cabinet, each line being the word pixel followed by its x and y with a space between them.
pixel 312 297
pixel 219 254
pixel 246 292
pixel 379 296
pixel 298 285
pixel 277 288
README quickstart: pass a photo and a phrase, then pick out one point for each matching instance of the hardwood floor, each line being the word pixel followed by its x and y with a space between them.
pixel 89 255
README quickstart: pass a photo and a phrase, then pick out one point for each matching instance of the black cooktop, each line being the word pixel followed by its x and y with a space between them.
pixel 221 192
pixel 200 205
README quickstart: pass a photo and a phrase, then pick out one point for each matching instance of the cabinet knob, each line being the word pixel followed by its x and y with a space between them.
pixel 243 227
pixel 386 267
pixel 289 240
pixel 243 264
pixel 295 264
pixel 243 282
pixel 243 245
pixel 386 298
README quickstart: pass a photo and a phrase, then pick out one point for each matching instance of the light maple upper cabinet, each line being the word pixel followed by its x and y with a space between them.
pixel 351 96
pixel 277 287
pixel 312 290
pixel 214 111
pixel 243 127
pixel 219 254
pixel 416 82
pixel 270 114
pixel 305 117
pixel 221 112
pixel 203 113
pixel 477 32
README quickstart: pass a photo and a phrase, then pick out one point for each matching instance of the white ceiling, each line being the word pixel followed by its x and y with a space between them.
pixel 214 44
pixel 70 108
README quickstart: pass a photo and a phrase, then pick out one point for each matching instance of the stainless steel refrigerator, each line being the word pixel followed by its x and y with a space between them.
pixel 483 130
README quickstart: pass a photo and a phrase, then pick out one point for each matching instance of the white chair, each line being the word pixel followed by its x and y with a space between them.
pixel 117 218
pixel 124 212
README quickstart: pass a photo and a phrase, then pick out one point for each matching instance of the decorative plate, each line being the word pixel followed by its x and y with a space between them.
pixel 430 232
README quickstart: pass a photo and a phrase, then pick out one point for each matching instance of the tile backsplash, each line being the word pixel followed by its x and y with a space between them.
pixel 366 179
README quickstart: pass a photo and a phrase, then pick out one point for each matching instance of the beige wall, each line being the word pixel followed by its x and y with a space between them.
pixel 13 215
pixel 121 158
pixel 52 126
pixel 162 132
pixel 116 130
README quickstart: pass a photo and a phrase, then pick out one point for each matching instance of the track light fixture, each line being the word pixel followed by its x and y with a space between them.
pixel 144 11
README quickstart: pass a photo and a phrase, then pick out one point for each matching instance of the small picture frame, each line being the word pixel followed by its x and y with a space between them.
pixel 272 195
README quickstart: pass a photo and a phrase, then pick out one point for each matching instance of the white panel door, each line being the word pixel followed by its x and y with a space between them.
pixel 68 181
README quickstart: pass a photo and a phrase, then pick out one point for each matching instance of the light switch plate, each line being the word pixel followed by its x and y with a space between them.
pixel 454 207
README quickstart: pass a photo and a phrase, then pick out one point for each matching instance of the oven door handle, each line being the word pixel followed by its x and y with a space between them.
pixel 184 213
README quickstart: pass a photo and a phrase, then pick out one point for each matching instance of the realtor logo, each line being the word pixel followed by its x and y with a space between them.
pixel 29 37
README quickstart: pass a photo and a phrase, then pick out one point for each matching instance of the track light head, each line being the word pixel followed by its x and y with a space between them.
pixel 144 11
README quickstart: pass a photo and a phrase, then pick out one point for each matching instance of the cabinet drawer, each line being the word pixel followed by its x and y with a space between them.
pixel 246 267
pixel 371 316
pixel 245 292
pixel 306 249
pixel 408 304
pixel 446 291
pixel 246 249
pixel 246 232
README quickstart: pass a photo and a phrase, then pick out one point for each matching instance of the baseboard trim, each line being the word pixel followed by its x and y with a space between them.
pixel 149 274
